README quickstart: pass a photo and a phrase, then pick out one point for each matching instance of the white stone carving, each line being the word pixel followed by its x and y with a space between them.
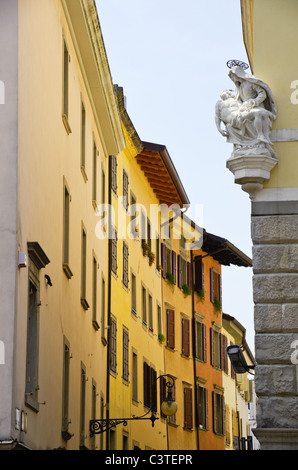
pixel 247 115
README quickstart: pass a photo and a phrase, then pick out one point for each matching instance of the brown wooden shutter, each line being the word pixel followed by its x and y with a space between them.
pixel 233 374
pixel 125 355
pixel 113 345
pixel 125 264
pixel 199 274
pixel 114 252
pixel 164 260
pixel 163 393
pixel 153 389
pixel 185 337
pixel 219 289
pixel 188 408
pixel 206 408
pixel 114 173
pixel 179 262
pixel 174 270
pixel 146 385
pixel 211 285
pixel 189 275
pixel 212 348
pixel 204 341
pixel 171 328
pixel 125 189
pixel 214 411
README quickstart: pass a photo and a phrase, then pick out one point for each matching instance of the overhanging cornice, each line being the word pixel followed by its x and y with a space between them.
pixel 87 38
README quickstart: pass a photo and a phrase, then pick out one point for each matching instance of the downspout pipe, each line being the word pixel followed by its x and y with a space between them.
pixel 109 296
pixel 194 352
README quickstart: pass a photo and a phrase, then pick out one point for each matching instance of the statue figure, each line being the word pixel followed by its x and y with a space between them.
pixel 247 114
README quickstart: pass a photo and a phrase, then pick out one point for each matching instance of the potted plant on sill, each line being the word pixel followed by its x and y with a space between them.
pixel 161 338
pixel 200 294
pixel 186 290
pixel 151 257
pixel 145 247
pixel 217 305
pixel 170 279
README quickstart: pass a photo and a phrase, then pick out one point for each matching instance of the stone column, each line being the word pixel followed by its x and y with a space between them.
pixel 274 231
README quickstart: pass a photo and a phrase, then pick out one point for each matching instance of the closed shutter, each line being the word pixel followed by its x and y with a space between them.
pixel 163 393
pixel 114 252
pixel 219 289
pixel 174 270
pixel 206 408
pixel 114 173
pixel 204 340
pixel 179 261
pixel 199 275
pixel 214 411
pixel 211 285
pixel 212 348
pixel 153 389
pixel 164 260
pixel 171 328
pixel 125 355
pixel 146 385
pixel 188 408
pixel 125 189
pixel 189 275
pixel 113 345
pixel 125 264
pixel 185 337
pixel 233 374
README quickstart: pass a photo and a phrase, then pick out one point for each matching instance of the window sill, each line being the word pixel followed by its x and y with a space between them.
pixel 66 124
pixel 84 303
pixel 84 173
pixel 67 270
pixel 32 403
pixel 95 325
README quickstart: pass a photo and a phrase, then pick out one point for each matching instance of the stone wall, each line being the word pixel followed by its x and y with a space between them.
pixel 275 285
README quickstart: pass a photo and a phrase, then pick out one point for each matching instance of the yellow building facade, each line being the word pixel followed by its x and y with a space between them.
pixel 68 123
pixel 271 47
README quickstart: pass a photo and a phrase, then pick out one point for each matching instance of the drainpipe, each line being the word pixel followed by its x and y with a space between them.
pixel 194 353
pixel 109 296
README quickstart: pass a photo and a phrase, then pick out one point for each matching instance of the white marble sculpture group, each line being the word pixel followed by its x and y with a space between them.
pixel 247 115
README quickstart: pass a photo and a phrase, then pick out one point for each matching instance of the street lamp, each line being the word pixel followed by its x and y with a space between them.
pixel 238 360
pixel 168 407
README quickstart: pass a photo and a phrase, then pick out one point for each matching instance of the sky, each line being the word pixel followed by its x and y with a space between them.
pixel 170 58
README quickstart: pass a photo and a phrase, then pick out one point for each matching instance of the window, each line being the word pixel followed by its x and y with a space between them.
pixel 94 181
pixel 157 249
pixel 202 400
pixel 66 211
pixel 144 305
pixel 134 376
pixel 113 345
pixel 224 354
pixel 133 216
pixel 185 337
pixel 215 287
pixel 82 406
pixel 150 387
pixel 201 341
pixel 218 413
pixel 172 419
pixel 65 80
pixel 188 419
pixel 171 328
pixel 125 189
pixel 199 275
pixel 214 348
pixel 84 270
pixel 133 293
pixel 114 165
pixel 150 312
pixel 125 370
pixel 103 307
pixel 159 320
pixel 83 137
pixel 37 260
pixel 93 410
pixel 94 295
pixel 65 390
pixel 125 279
pixel 65 90
pixel 113 241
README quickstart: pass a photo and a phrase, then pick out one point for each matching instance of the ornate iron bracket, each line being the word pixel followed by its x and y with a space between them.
pixel 99 426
